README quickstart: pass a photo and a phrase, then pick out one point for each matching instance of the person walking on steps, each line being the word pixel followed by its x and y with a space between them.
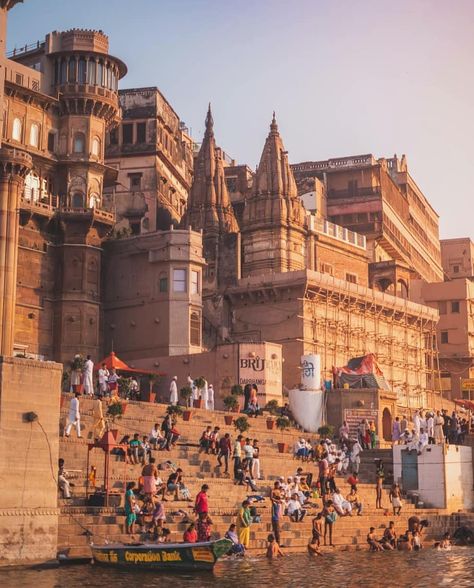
pixel 174 391
pixel 74 417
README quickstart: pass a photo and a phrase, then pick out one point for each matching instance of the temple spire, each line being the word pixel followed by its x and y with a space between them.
pixel 209 207
pixel 273 125
pixel 273 217
pixel 209 121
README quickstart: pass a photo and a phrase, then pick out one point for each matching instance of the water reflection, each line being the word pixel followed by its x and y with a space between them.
pixel 352 569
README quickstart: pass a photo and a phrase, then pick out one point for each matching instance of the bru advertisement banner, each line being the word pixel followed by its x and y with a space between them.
pixel 261 364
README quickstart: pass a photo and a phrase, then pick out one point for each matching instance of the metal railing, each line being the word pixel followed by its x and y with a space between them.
pixel 31 47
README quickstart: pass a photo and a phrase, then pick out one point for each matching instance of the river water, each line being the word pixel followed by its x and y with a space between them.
pixel 428 568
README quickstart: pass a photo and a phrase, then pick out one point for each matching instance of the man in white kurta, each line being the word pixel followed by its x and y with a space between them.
pixel 88 373
pixel 417 423
pixel 204 395
pixel 103 374
pixel 174 391
pixel 193 387
pixel 210 397
pixel 74 417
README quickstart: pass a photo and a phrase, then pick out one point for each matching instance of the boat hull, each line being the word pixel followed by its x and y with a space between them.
pixel 164 556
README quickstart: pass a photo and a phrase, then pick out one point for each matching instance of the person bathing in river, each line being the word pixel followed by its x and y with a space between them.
pixel 317 530
pixel 389 540
pixel 374 544
pixel 273 549
pixel 313 547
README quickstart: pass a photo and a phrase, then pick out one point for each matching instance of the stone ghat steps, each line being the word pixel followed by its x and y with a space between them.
pixel 143 415
pixel 225 497
pixel 348 531
pixel 272 463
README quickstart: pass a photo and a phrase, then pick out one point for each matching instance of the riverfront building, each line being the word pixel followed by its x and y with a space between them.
pixel 130 237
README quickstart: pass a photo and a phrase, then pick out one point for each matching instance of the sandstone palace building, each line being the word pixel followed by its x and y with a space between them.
pixel 118 231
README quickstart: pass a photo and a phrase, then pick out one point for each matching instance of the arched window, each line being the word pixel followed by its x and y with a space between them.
pixel 94 200
pixel 51 141
pixel 71 78
pixel 32 187
pixel 63 76
pixel 91 73
pixel 100 69
pixel 77 200
pixel 81 71
pixel 17 129
pixel 96 146
pixel 34 135
pixel 79 143
pixel 195 329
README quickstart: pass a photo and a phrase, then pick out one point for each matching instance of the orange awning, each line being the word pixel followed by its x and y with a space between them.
pixel 112 361
pixel 467 404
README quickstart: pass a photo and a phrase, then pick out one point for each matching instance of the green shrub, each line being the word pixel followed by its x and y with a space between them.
pixel 326 431
pixel 272 407
pixel 242 424
pixel 231 402
pixel 237 390
pixel 283 423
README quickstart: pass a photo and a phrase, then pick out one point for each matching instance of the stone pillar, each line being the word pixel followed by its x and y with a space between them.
pixel 30 393
pixel 14 166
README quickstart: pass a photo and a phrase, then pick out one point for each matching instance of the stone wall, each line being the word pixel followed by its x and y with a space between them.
pixel 28 460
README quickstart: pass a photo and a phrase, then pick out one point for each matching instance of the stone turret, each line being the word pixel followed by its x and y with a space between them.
pixel 273 226
pixel 209 206
pixel 210 210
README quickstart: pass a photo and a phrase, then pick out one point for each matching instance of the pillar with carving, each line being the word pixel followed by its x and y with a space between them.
pixel 14 166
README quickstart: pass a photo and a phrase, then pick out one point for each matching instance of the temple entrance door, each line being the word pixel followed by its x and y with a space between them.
pixel 409 470
pixel 386 425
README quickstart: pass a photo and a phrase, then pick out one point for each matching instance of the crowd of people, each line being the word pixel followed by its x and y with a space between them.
pixel 313 491
pixel 430 428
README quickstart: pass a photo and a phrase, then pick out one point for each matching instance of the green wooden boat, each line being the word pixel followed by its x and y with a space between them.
pixel 162 556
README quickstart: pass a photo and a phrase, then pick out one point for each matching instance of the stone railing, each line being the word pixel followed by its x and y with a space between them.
pixel 337 232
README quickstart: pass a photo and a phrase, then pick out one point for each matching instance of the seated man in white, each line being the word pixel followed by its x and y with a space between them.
pixel 342 506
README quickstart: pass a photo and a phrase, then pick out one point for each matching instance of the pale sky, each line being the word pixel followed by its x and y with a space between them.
pixel 345 77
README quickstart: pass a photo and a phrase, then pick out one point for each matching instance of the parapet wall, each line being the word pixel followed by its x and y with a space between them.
pixel 28 460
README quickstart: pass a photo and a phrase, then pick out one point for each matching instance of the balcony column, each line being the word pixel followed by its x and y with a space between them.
pixel 14 166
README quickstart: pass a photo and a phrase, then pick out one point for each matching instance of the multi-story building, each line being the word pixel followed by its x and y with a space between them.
pixel 153 154
pixel 305 280
pixel 60 101
pixel 380 199
pixel 454 299
pixel 60 98
pixel 262 256
pixel 458 258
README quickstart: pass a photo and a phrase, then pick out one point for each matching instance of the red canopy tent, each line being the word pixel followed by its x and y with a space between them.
pixel 113 361
pixel 467 404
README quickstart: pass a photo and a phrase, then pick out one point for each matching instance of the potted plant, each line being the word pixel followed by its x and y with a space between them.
pixel 77 366
pixel 186 393
pixel 272 407
pixel 242 424
pixel 326 431
pixel 282 423
pixel 237 390
pixel 151 394
pixel 199 383
pixel 232 405
pixel 115 410
pixel 174 410
pixel 124 386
